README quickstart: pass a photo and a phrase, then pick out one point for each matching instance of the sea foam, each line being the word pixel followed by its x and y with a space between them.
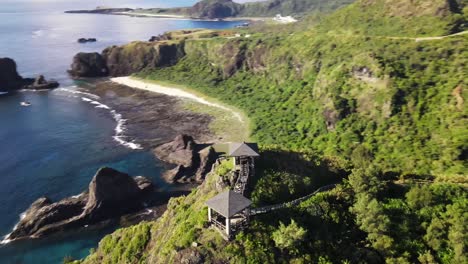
pixel 119 136
pixel 7 239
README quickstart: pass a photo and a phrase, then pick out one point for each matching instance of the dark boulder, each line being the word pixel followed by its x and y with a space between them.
pixel 208 157
pixel 110 194
pixel 88 65
pixel 86 40
pixel 180 151
pixel 41 83
pixel 9 77
pixel 193 161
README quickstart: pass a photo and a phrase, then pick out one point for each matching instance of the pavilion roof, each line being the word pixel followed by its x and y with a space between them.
pixel 243 150
pixel 228 203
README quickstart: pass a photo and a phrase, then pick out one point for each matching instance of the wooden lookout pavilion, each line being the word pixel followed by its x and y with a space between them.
pixel 244 155
pixel 229 212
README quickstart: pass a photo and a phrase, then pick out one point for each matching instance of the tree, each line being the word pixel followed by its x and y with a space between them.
pixel 371 219
pixel 287 237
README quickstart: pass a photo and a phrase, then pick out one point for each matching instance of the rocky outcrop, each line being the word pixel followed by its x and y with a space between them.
pixel 86 40
pixel 110 194
pixel 41 83
pixel 127 59
pixel 88 65
pixel 10 79
pixel 193 161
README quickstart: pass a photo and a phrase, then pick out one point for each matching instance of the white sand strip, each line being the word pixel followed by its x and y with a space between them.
pixel 152 87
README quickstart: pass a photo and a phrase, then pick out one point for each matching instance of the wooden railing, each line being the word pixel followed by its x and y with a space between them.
pixel 218 225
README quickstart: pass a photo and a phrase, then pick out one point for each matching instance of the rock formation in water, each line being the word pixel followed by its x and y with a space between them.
pixel 110 194
pixel 100 11
pixel 127 59
pixel 88 65
pixel 193 161
pixel 10 80
pixel 86 40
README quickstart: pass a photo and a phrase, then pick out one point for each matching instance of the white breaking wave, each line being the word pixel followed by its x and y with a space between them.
pixel 119 132
pixel 119 129
pixel 38 33
pixel 96 103
pixel 79 92
pixel 2 93
pixel 7 239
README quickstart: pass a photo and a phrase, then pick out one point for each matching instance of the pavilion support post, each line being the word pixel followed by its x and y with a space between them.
pixel 228 227
pixel 209 214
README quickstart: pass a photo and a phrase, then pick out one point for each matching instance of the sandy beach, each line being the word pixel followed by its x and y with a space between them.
pixel 156 88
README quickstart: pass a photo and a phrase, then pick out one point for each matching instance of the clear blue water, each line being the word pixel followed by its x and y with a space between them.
pixel 54 147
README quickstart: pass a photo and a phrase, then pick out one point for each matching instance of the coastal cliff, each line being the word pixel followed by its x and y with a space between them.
pixel 127 59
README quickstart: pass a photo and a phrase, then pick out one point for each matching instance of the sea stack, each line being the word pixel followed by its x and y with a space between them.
pixel 10 80
pixel 110 194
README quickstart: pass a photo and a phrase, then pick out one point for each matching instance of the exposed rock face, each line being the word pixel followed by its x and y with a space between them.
pixel 10 79
pixel 191 160
pixel 180 151
pixel 88 65
pixel 127 59
pixel 208 157
pixel 110 194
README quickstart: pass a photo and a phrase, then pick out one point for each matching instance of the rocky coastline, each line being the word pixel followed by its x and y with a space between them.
pixel 10 80
pixel 110 194
pixel 158 123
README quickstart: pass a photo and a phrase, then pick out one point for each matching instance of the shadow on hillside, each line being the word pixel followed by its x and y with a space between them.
pixel 283 175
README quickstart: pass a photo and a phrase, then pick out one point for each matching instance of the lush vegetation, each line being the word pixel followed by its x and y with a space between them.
pixel 383 115
pixel 290 7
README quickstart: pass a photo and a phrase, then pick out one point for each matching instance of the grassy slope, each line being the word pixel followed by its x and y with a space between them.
pixel 311 102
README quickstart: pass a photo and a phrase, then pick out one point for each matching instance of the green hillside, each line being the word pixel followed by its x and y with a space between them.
pixel 400 18
pixel 290 7
pixel 382 111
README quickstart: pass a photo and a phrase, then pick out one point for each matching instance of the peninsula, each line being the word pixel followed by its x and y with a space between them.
pixel 228 9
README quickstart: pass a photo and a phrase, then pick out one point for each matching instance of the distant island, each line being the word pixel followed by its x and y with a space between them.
pixel 228 9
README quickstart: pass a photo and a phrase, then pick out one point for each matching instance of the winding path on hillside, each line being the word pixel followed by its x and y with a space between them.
pixel 267 209
pixel 417 39
pixel 430 38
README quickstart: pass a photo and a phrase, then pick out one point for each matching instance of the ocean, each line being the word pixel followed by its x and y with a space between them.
pixel 54 147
